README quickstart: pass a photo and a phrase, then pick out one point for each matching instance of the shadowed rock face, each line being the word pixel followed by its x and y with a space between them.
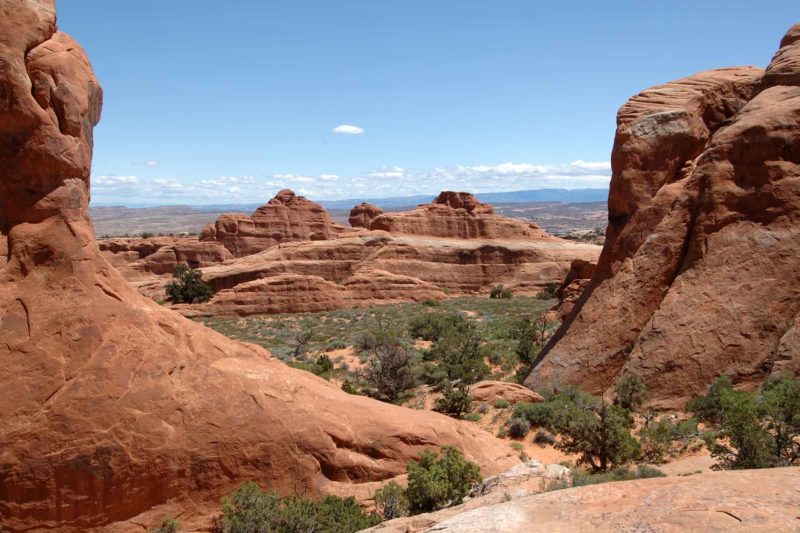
pixel 113 404
pixel 699 274
pixel 285 218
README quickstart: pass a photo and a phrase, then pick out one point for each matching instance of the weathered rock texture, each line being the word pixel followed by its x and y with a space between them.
pixel 490 391
pixel 699 275
pixel 575 282
pixel 160 255
pixel 374 267
pixel 362 215
pixel 457 215
pixel 755 500
pixel 113 404
pixel 285 218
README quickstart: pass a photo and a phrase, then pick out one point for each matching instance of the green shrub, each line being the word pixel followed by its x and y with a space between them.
pixel 708 407
pixel 498 291
pixel 518 428
pixel 601 435
pixel 436 482
pixel 432 303
pixel 168 525
pixel 365 341
pixel 188 286
pixel 501 403
pixel 548 292
pixel 455 401
pixel 458 354
pixel 536 414
pixel 147 235
pixel 433 325
pixel 656 439
pixel 249 509
pixel 780 409
pixel 472 417
pixel 391 501
pixel 581 478
pixel 742 441
pixel 323 365
pixel 349 387
pixel 630 392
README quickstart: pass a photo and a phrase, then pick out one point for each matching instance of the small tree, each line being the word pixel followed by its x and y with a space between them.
pixel 437 482
pixel 391 501
pixel 781 411
pixel 389 372
pixel 708 407
pixel 630 392
pixel 188 286
pixel 656 439
pixel 742 442
pixel 531 334
pixel 458 353
pixel 600 434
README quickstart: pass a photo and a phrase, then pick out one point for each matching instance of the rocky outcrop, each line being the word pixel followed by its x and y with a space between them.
pixel 375 267
pixel 113 404
pixel 457 215
pixel 160 255
pixel 362 215
pixel 285 218
pixel 489 391
pixel 294 293
pixel 755 500
pixel 699 274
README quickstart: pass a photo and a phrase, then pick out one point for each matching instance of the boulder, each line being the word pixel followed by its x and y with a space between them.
pixel 699 275
pixel 489 391
pixel 362 215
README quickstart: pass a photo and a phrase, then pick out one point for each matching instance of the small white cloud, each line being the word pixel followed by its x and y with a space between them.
pixel 152 163
pixel 348 129
pixel 391 172
pixel 328 177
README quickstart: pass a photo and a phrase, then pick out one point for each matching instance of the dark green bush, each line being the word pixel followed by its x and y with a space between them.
pixel 581 478
pixel 436 482
pixel 656 439
pixel 251 510
pixel 630 392
pixel 548 292
pixel 498 291
pixel 600 435
pixel 708 407
pixel 455 401
pixel 188 286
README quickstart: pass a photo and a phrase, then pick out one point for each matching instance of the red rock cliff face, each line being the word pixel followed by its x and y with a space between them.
pixel 457 215
pixel 699 276
pixel 113 404
pixel 285 218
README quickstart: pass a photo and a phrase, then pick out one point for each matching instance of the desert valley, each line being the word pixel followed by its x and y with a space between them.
pixel 449 366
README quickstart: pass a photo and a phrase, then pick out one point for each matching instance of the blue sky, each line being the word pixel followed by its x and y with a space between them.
pixel 228 102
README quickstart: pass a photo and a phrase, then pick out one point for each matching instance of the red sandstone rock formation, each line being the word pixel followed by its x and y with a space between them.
pixel 376 267
pixel 362 215
pixel 285 218
pixel 489 391
pixel 113 404
pixel 160 255
pixel 457 215
pixel 699 274
pixel 577 279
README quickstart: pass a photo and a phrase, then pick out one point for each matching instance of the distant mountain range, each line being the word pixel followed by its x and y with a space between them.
pixel 525 196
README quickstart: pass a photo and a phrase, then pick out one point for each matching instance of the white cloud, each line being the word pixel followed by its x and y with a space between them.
pixel 382 182
pixel 152 163
pixel 348 129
